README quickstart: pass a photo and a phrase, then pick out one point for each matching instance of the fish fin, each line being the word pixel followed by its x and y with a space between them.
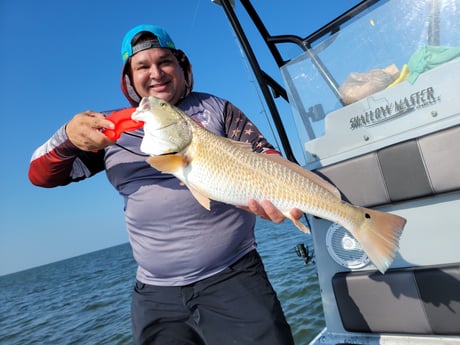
pixel 306 173
pixel 167 163
pixel 172 163
pixel 301 226
pixel 379 236
pixel 201 198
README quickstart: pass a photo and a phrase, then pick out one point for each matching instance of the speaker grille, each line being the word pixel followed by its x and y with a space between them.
pixel 344 248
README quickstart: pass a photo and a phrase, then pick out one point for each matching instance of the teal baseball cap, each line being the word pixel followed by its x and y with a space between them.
pixel 163 40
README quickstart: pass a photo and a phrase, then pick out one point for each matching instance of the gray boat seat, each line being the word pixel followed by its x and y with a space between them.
pixel 420 301
pixel 424 166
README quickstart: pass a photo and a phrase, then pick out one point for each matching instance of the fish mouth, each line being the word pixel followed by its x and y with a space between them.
pixel 163 126
pixel 168 153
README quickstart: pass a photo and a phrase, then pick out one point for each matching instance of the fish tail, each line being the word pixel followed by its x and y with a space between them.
pixel 378 236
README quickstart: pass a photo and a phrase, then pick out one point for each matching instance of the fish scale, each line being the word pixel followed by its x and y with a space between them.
pixel 265 180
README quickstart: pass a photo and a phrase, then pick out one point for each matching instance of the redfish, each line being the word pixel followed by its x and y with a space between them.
pixel 220 169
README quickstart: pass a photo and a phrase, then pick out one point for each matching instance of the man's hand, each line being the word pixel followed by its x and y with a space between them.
pixel 266 210
pixel 84 131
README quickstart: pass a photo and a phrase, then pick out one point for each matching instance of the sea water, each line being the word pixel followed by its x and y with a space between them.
pixel 86 299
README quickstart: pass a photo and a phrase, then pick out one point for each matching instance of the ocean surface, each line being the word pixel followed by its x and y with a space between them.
pixel 86 299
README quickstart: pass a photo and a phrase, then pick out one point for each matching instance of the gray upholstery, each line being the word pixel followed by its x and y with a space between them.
pixel 421 301
pixel 419 167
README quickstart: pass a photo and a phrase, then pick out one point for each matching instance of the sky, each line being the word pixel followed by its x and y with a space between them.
pixel 59 58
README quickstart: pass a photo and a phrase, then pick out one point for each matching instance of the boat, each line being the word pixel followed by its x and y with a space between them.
pixel 374 100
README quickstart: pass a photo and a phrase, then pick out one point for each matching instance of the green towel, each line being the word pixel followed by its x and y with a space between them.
pixel 428 57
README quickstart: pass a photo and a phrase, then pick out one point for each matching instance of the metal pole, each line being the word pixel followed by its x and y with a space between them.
pixel 260 78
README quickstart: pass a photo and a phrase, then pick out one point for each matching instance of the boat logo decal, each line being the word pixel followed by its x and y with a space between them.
pixel 382 110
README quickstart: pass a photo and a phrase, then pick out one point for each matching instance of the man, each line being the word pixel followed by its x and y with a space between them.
pixel 200 279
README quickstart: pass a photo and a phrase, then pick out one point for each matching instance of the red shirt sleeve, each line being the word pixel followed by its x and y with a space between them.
pixel 58 162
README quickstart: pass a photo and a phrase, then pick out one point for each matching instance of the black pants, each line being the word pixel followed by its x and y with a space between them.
pixel 236 306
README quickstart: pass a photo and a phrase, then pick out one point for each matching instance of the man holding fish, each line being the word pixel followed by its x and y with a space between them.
pixel 200 279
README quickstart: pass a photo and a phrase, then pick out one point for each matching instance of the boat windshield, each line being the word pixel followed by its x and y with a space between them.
pixel 389 43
